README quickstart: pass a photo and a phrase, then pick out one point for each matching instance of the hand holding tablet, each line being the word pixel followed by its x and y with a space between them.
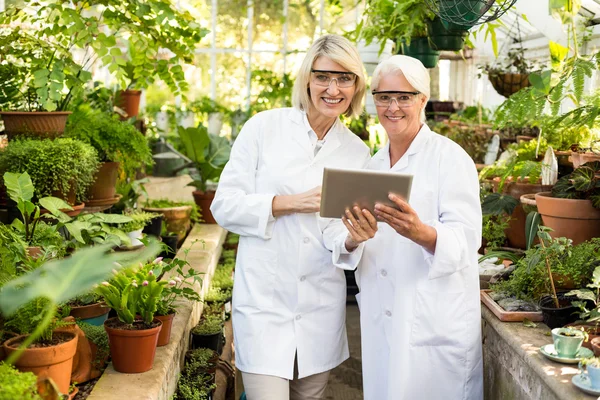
pixel 344 188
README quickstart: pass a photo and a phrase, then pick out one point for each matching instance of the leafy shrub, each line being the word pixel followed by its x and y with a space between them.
pixel 114 140
pixel 208 326
pixel 165 203
pixel 58 165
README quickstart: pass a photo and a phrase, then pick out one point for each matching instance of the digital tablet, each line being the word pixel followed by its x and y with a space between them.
pixel 342 188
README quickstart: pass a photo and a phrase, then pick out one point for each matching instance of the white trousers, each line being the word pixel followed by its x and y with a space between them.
pixel 268 387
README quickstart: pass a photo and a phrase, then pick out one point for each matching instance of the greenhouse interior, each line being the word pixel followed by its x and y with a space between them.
pixel 304 199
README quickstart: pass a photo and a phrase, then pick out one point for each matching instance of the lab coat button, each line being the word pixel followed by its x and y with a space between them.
pixel 383 272
pixel 298 317
pixel 302 278
pixel 306 240
pixel 388 313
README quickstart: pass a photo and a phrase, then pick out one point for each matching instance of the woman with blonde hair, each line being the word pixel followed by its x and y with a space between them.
pixel 418 276
pixel 289 298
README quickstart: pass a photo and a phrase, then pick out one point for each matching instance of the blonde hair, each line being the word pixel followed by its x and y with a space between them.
pixel 412 69
pixel 339 50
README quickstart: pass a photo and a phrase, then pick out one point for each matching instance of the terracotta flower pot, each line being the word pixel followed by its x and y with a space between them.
pixel 204 200
pixel 165 331
pixel 176 218
pixel 595 344
pixel 43 124
pixel 577 220
pixel 105 182
pixel 582 158
pixel 129 101
pixel 55 362
pixel 34 252
pixel 93 314
pixel 515 233
pixel 132 351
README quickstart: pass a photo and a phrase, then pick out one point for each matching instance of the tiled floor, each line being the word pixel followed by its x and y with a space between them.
pixel 345 382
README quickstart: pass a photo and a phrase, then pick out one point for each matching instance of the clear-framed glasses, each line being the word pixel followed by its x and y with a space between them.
pixel 402 99
pixel 324 78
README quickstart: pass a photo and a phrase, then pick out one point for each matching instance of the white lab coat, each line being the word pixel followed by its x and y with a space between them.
pixel 420 313
pixel 288 296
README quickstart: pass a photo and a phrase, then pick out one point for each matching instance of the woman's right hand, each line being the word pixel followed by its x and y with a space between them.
pixel 361 225
pixel 307 202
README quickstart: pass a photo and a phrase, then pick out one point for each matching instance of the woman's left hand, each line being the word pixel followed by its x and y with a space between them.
pixel 406 222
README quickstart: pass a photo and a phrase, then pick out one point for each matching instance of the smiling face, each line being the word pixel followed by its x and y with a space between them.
pixel 399 122
pixel 331 101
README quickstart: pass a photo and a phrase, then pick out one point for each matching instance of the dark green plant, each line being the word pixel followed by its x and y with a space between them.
pixel 56 167
pixel 199 360
pixel 113 139
pixel 587 314
pixel 583 184
pixel 98 336
pixel 275 90
pixel 209 153
pixel 36 74
pixel 197 387
pixel 208 326
pixel 17 385
pixel 85 299
pixel 30 316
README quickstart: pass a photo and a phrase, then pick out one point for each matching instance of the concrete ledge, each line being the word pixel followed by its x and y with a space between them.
pixel 514 369
pixel 161 381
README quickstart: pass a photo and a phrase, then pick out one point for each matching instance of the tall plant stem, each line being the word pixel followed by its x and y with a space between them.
pixel 555 297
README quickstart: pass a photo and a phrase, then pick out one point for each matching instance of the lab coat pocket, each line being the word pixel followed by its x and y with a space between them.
pixel 256 278
pixel 439 319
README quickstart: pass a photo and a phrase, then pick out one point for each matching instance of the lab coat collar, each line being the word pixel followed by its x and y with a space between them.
pixel 417 145
pixel 332 141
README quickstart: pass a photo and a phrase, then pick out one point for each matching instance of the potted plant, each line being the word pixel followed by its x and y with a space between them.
pixel 209 153
pixel 178 215
pixel 134 228
pixel 405 23
pixel 177 34
pixel 194 385
pixel 512 75
pixel 121 148
pixel 17 385
pixel 572 209
pixel 201 361
pixel 207 333
pixel 169 242
pixel 589 306
pixel 39 79
pixel 89 308
pixel 132 292
pixel 51 354
pixel 181 278
pixel 62 168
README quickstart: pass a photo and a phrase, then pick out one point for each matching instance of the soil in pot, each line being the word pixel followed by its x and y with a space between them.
pixel 165 331
pixel 132 347
pixel 53 361
pixel 558 317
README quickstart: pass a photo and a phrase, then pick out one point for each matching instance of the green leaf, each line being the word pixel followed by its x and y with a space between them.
pixel 583 294
pixel 195 141
pixel 541 82
pixel 63 279
pixel 496 204
pixel 76 227
pixel 55 205
pixel 19 186
pixel 532 223
pixel 558 53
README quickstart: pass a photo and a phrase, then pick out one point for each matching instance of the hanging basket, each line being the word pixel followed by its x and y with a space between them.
pixel 420 49
pixel 507 84
pixel 446 36
pixel 468 13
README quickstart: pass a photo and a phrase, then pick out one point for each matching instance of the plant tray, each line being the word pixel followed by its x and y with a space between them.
pixel 508 316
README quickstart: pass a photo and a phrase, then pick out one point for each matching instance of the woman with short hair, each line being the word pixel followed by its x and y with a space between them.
pixel 289 299
pixel 419 285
